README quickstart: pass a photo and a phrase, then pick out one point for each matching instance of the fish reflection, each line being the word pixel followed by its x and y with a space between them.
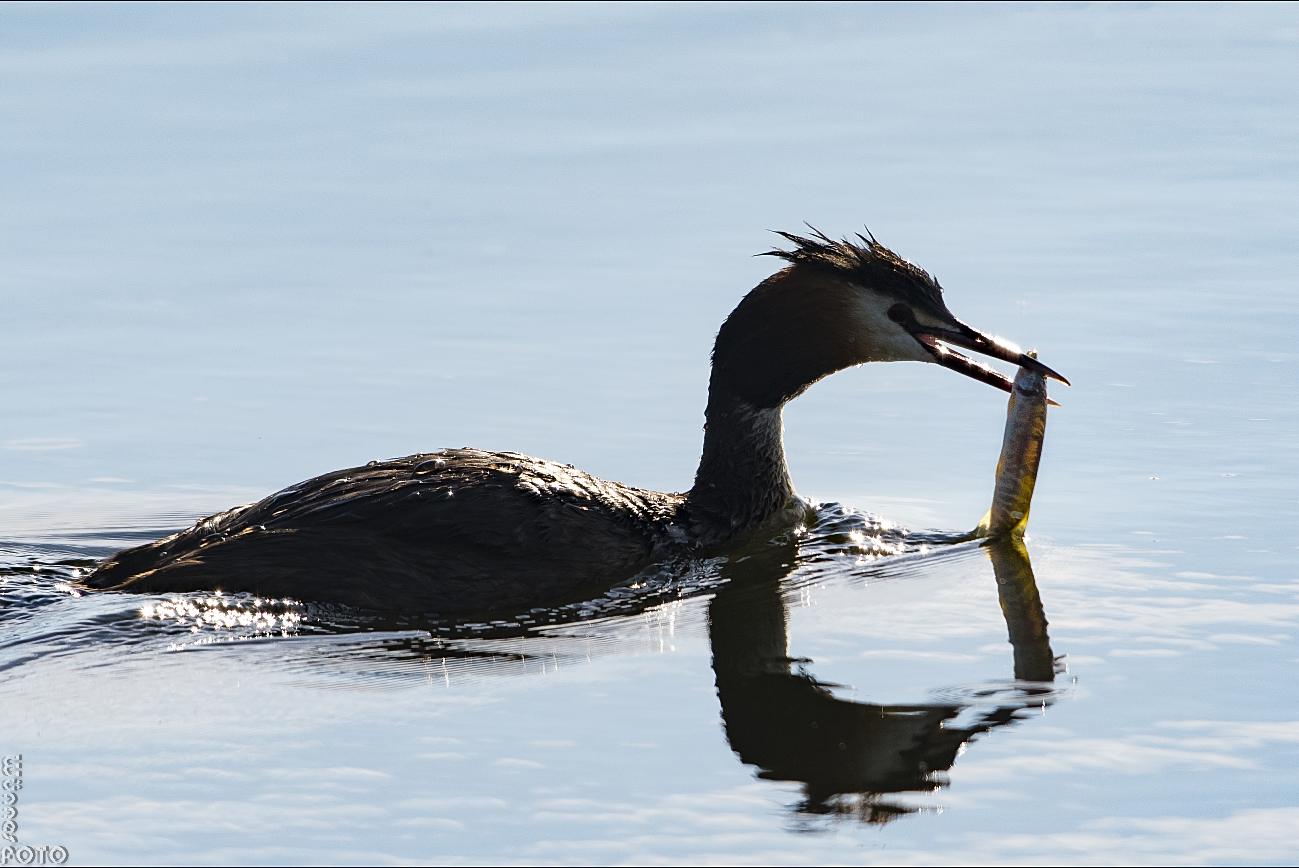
pixel 850 755
pixel 852 758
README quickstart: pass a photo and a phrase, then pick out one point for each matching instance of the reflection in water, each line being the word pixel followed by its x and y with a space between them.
pixel 1022 606
pixel 848 754
pixel 778 717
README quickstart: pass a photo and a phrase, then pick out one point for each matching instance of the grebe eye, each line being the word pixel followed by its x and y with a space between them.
pixel 900 313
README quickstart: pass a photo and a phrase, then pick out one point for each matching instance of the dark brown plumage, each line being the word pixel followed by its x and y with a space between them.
pixel 465 531
pixel 457 531
pixel 867 263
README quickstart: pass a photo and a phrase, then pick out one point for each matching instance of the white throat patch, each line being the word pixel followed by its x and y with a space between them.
pixel 881 338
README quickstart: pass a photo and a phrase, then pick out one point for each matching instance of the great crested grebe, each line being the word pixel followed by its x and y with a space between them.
pixel 464 530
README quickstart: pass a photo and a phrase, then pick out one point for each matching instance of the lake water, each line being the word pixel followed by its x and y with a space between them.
pixel 244 246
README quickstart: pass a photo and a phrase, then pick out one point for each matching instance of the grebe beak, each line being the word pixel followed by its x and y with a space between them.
pixel 970 339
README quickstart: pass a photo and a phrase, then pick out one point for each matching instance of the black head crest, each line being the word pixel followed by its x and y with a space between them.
pixel 865 262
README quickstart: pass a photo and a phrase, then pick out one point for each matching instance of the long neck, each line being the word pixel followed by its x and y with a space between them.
pixel 742 480
pixel 791 330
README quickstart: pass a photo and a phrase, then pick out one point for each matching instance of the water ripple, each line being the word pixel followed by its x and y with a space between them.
pixel 46 614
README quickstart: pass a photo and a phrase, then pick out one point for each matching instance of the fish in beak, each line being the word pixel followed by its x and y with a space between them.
pixel 935 338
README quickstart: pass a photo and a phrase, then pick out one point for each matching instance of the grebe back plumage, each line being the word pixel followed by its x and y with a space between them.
pixel 464 530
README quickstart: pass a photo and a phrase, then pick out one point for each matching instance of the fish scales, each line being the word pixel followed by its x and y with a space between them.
pixel 1021 452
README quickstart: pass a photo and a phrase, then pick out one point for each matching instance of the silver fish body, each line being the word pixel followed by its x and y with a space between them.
pixel 1021 452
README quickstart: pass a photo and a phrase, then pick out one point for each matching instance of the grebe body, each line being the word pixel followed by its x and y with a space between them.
pixel 458 531
pixel 464 531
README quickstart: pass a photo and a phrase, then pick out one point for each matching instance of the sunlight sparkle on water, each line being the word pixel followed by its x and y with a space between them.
pixel 248 244
pixel 252 617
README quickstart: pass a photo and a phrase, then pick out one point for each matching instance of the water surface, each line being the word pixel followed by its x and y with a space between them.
pixel 242 247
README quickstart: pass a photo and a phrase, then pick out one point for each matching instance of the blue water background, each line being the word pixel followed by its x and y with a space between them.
pixel 243 245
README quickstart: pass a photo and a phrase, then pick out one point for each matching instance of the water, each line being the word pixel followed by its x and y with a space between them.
pixel 243 247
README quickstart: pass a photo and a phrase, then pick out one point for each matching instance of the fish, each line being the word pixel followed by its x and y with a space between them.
pixel 1021 452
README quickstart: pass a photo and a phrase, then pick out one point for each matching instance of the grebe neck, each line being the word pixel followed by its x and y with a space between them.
pixel 743 481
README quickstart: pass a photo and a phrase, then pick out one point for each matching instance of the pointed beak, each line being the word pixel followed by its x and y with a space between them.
pixel 934 338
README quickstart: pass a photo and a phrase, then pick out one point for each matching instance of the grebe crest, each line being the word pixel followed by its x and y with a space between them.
pixel 464 530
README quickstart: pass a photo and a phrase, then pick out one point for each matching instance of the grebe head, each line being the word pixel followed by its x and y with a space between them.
pixel 839 304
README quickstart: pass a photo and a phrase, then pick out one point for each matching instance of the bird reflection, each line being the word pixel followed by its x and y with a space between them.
pixel 850 755
pixel 852 758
